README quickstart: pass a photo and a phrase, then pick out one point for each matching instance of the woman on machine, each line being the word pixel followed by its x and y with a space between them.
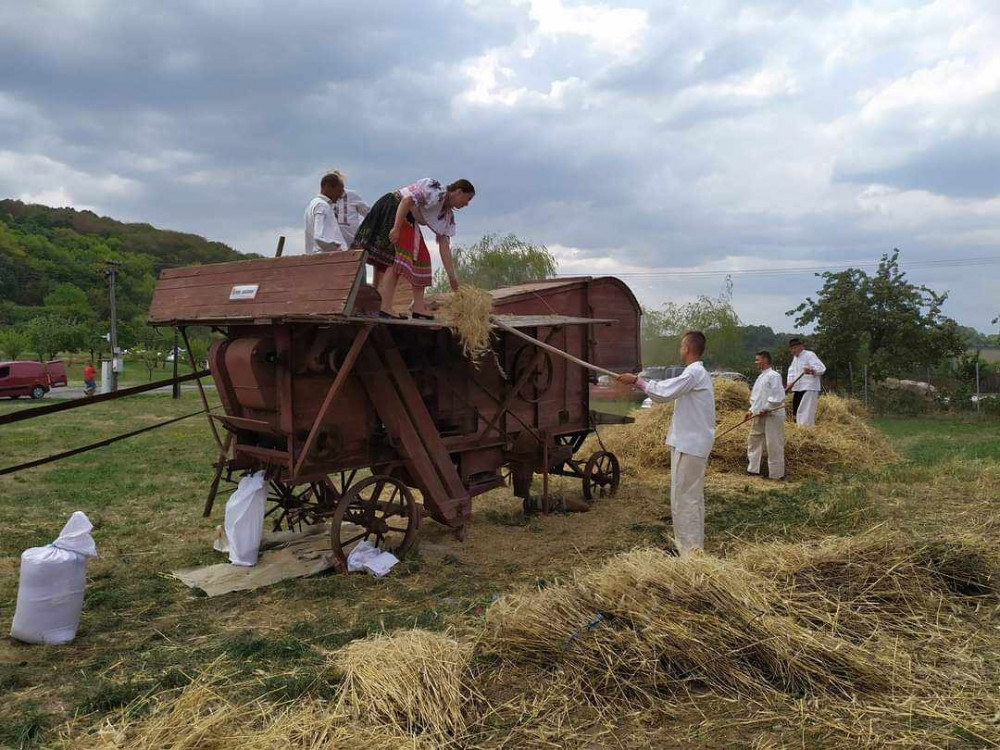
pixel 391 235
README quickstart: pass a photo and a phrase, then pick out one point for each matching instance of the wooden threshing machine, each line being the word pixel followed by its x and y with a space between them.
pixel 349 413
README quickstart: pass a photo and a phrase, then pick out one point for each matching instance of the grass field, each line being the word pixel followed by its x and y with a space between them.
pixel 143 633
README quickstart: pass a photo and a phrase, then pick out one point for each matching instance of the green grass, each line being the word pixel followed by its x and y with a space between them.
pixel 928 441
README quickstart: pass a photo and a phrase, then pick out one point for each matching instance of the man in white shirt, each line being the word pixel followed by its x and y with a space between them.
pixel 804 381
pixel 349 209
pixel 322 228
pixel 692 432
pixel 767 407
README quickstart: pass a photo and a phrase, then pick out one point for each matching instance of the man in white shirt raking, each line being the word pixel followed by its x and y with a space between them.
pixel 692 433
pixel 804 381
pixel 767 407
pixel 322 232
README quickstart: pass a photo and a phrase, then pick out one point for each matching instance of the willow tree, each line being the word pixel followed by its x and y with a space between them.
pixel 497 261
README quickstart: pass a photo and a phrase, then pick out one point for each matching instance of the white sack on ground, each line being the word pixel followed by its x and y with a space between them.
pixel 245 519
pixel 369 558
pixel 51 587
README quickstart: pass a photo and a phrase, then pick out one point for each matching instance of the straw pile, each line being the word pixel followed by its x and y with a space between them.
pixel 647 624
pixel 411 681
pixel 877 581
pixel 467 313
pixel 405 689
pixel 841 437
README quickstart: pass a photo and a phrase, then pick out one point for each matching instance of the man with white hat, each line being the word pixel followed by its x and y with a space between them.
pixel 804 382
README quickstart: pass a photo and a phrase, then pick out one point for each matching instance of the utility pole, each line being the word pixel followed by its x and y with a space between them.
pixel 112 276
pixel 176 390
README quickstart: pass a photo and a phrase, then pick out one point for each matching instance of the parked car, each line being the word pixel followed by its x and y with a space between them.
pixel 23 379
pixel 661 372
pixel 608 389
pixel 57 373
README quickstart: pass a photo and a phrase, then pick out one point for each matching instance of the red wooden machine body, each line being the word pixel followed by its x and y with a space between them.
pixel 350 413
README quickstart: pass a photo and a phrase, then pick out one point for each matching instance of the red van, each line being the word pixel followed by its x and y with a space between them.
pixel 23 379
pixel 57 373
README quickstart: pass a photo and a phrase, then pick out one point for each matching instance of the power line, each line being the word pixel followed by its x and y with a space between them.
pixel 917 264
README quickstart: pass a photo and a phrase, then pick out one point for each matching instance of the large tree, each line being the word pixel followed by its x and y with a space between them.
pixel 881 320
pixel 497 261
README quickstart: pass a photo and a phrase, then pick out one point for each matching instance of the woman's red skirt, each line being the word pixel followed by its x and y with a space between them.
pixel 412 256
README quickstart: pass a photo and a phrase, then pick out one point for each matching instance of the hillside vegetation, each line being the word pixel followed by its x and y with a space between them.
pixel 53 263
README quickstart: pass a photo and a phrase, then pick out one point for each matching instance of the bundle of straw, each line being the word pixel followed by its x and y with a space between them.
pixel 412 681
pixel 467 313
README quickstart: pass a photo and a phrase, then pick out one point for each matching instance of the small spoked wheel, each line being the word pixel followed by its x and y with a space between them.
pixel 296 507
pixel 601 475
pixel 379 509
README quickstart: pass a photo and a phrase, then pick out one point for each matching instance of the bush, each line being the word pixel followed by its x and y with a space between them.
pixel 886 401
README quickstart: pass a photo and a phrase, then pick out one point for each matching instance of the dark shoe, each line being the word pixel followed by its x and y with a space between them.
pixel 753 474
pixel 421 316
pixel 389 316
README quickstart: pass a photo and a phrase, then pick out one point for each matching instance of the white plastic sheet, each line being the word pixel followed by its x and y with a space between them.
pixel 369 558
pixel 245 519
pixel 51 587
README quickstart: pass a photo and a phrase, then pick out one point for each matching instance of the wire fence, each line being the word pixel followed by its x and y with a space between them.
pixel 971 387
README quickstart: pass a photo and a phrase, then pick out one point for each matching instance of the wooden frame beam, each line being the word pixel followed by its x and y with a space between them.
pixel 338 382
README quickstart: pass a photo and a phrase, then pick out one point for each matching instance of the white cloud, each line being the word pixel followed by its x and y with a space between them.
pixel 612 31
pixel 38 179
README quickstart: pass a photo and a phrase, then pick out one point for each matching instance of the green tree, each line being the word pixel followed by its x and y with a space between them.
pixel 50 334
pixel 13 343
pixel 497 261
pixel 70 302
pixel 714 316
pixel 882 320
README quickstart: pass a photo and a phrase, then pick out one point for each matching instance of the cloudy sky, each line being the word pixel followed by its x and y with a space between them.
pixel 669 142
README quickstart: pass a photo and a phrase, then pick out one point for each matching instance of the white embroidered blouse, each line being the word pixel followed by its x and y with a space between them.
pixel 428 206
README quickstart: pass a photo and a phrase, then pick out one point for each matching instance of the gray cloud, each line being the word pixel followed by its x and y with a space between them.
pixel 650 135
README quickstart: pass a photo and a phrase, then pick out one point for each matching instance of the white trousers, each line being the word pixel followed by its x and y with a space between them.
pixel 768 430
pixel 806 415
pixel 687 500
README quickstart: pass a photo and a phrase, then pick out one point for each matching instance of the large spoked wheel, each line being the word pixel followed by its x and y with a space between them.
pixel 380 509
pixel 601 475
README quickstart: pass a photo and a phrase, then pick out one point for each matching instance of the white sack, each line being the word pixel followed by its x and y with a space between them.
pixel 51 588
pixel 369 558
pixel 245 519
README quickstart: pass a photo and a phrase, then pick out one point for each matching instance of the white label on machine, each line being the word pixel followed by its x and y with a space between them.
pixel 244 291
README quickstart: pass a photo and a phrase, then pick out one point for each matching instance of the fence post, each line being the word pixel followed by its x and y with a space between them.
pixel 866 385
pixel 978 394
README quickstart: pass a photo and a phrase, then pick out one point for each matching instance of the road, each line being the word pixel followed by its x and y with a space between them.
pixel 77 391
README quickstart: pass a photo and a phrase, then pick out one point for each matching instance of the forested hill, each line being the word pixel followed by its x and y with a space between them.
pixel 57 257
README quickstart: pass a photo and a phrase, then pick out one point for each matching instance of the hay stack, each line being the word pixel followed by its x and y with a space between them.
pixel 879 581
pixel 467 313
pixel 841 437
pixel 648 623
pixel 412 681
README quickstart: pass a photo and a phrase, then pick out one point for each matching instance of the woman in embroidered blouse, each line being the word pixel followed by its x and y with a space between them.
pixel 391 235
